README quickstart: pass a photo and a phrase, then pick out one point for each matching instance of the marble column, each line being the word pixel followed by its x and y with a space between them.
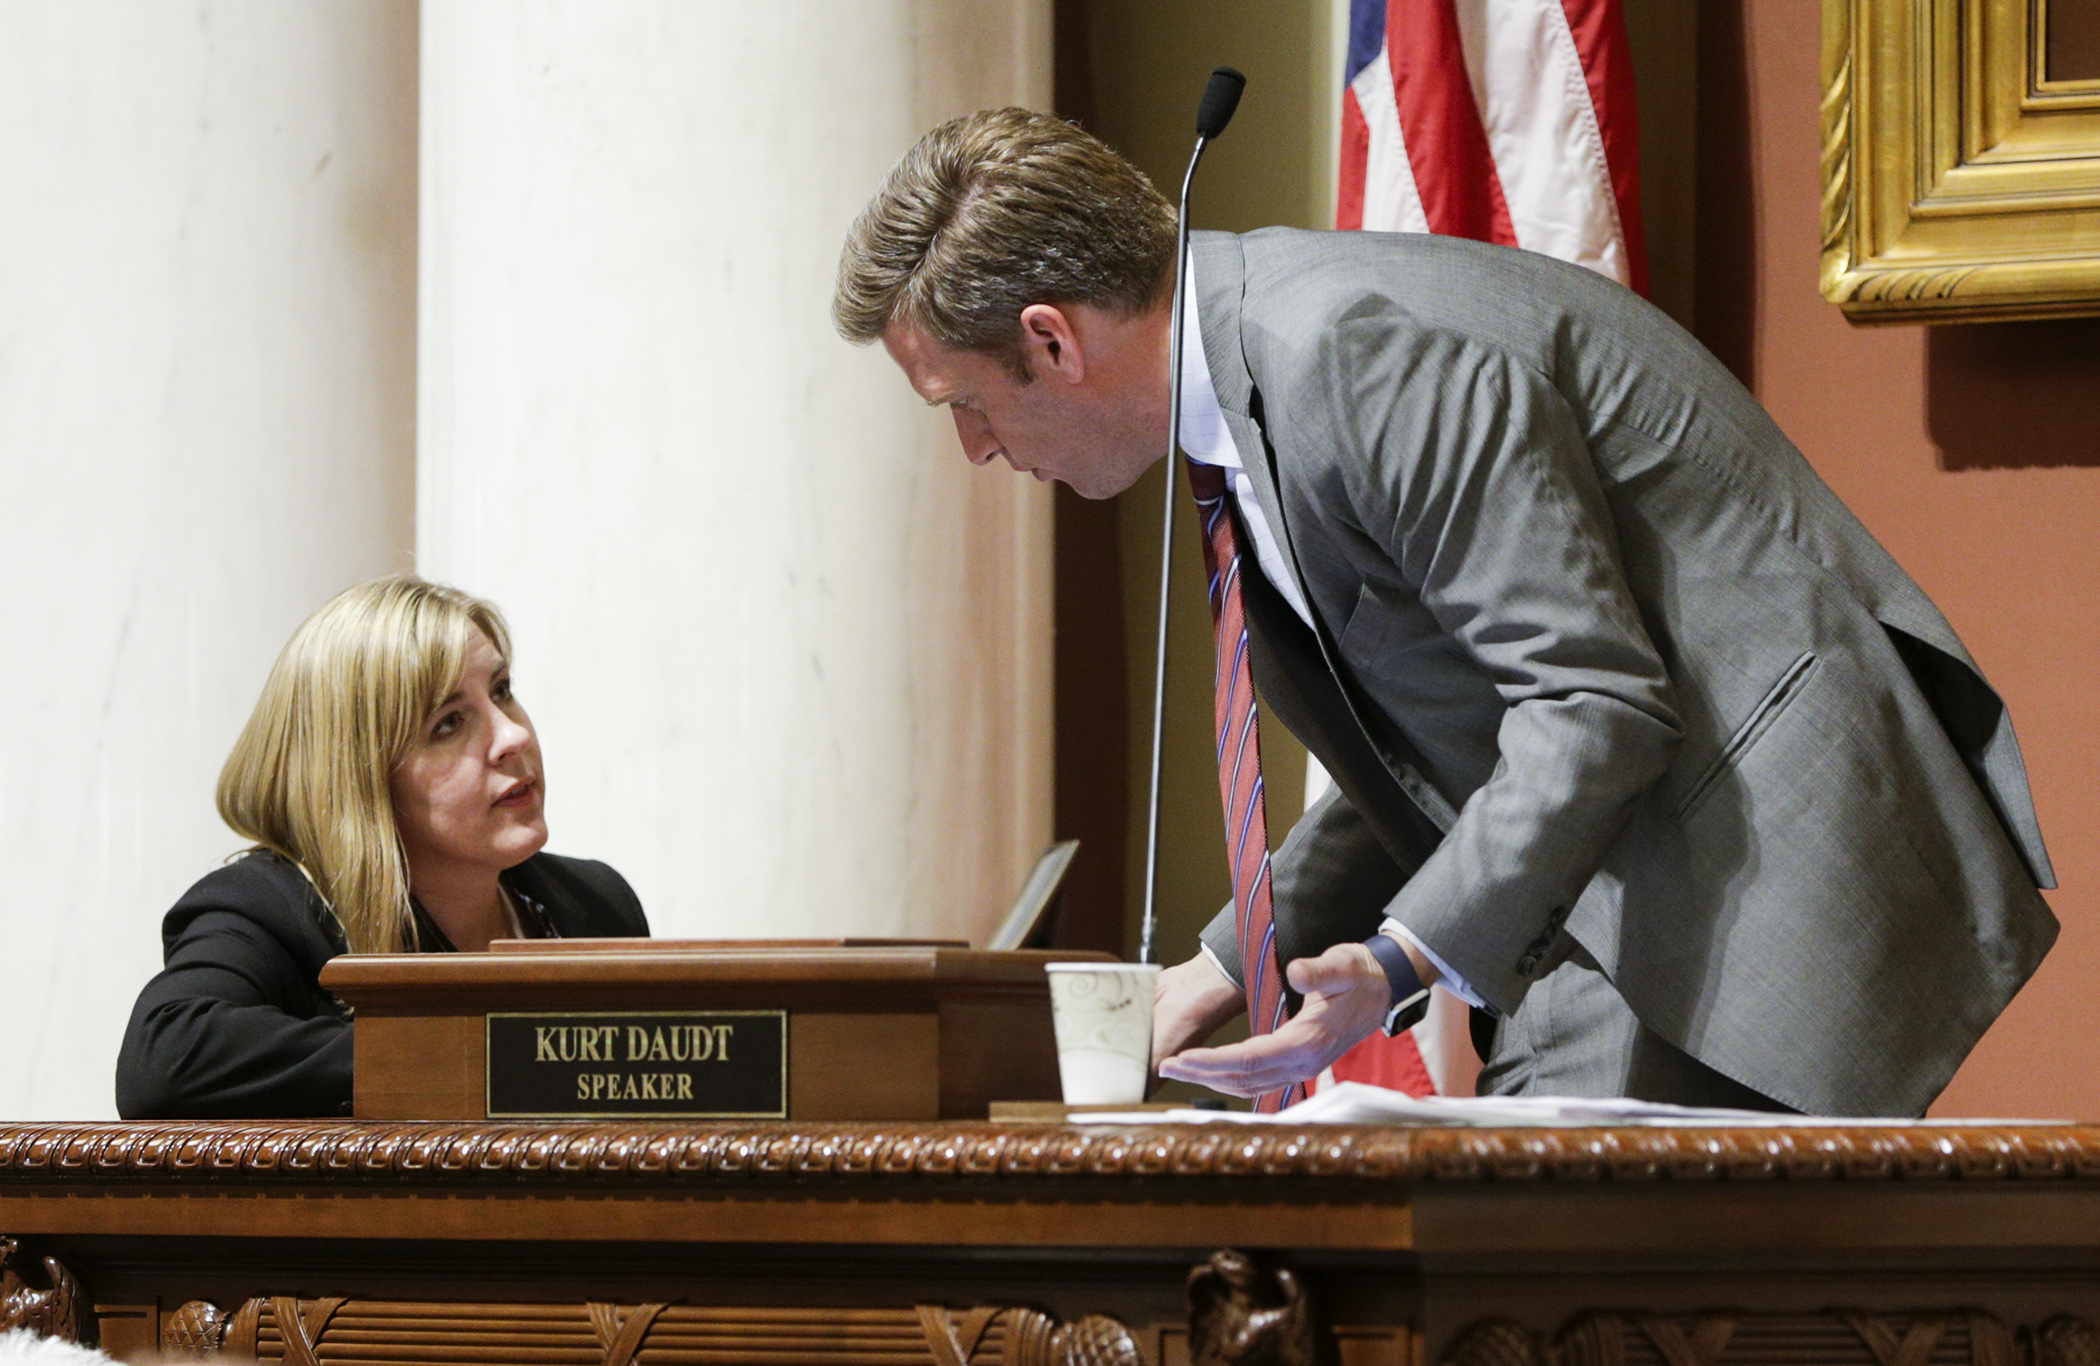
pixel 206 427
pixel 788 653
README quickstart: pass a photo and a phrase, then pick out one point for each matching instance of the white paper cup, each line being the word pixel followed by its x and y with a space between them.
pixel 1103 1015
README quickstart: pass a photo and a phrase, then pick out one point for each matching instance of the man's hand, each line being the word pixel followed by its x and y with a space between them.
pixel 1190 1003
pixel 1346 997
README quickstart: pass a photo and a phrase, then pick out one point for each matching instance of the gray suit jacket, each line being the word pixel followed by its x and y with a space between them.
pixel 1599 655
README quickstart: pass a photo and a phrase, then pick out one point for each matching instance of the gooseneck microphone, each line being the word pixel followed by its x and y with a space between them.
pixel 1221 96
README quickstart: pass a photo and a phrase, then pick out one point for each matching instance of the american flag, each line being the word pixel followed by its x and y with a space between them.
pixel 1508 121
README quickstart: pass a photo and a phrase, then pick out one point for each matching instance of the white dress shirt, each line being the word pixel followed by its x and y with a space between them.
pixel 1206 440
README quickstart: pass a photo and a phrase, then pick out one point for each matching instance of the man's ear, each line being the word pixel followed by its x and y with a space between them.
pixel 1050 345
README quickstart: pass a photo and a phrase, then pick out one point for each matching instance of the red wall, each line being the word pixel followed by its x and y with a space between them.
pixel 1972 451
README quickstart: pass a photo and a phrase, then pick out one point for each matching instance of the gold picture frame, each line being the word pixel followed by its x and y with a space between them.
pixel 1960 182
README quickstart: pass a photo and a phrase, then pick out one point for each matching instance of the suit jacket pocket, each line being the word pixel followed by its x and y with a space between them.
pixel 1784 690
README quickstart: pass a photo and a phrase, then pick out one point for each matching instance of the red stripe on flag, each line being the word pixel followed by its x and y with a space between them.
pixel 1440 123
pixel 1599 27
pixel 1356 160
pixel 1394 1063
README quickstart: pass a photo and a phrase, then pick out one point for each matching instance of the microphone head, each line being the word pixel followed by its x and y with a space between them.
pixel 1220 97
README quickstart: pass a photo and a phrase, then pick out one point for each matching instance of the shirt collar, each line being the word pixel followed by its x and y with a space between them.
pixel 1203 433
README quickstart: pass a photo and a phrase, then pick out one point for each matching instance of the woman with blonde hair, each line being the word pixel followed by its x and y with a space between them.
pixel 392 787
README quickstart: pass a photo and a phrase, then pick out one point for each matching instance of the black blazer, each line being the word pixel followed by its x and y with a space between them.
pixel 236 1026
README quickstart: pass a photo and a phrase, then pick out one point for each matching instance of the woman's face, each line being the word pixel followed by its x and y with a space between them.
pixel 468 795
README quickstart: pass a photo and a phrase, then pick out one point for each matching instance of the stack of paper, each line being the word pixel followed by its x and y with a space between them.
pixel 1352 1102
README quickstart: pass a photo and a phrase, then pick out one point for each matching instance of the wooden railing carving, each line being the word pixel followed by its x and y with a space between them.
pixel 1835 1337
pixel 56 1311
pixel 304 1332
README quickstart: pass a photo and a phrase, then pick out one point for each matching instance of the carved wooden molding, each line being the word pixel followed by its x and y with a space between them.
pixel 1244 1314
pixel 195 1329
pixel 1835 1337
pixel 512 1155
pixel 621 1334
pixel 56 1311
pixel 1500 1342
pixel 303 1332
pixel 2065 1341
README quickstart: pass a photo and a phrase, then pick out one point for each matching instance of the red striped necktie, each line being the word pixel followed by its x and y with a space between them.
pixel 1239 769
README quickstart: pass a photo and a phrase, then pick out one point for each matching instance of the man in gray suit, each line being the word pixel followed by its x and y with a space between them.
pixel 1641 742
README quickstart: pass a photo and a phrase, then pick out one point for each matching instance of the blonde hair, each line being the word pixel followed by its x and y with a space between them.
pixel 309 777
pixel 995 211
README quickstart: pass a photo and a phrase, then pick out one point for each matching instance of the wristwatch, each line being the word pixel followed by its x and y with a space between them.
pixel 1410 997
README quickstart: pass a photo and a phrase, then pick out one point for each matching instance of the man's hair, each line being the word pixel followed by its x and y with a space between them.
pixel 310 777
pixel 995 211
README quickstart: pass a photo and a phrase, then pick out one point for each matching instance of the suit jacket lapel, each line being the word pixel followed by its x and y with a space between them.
pixel 1298 688
pixel 1328 713
pixel 1220 282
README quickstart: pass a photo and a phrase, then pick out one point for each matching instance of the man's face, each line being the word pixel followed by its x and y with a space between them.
pixel 1088 417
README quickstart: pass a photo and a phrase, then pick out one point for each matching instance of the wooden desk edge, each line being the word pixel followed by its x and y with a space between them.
pixel 1320 1158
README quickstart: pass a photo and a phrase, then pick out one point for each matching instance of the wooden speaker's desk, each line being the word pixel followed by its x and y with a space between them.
pixel 825 1029
pixel 616 1244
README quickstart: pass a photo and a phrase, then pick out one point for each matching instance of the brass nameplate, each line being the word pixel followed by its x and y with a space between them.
pixel 684 1064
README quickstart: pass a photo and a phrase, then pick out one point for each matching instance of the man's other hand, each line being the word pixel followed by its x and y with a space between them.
pixel 1346 997
pixel 1191 1002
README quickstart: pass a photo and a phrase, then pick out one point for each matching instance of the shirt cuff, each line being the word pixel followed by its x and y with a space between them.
pixel 1446 978
pixel 1219 963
